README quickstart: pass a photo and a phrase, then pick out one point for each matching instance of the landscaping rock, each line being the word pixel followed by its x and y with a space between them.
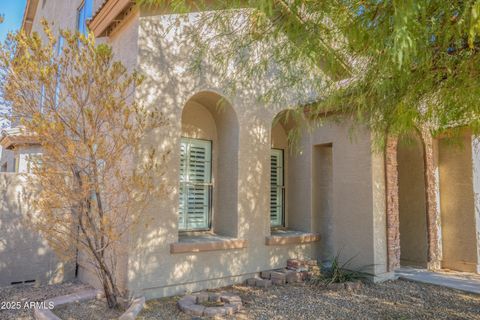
pixel 387 300
pixel 263 283
pixel 202 297
pixel 214 311
pixel 186 301
pixel 294 264
pixel 278 278
pixel 293 277
pixel 214 297
pixel 251 281
pixel 305 275
pixel 231 299
pixel 195 310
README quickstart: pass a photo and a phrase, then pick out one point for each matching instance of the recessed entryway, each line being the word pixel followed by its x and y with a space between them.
pixel 412 201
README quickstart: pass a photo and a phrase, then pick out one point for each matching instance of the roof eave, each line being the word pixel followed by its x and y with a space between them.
pixel 29 15
pixel 108 15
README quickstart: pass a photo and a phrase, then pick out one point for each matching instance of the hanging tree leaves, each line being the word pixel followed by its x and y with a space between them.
pixel 389 64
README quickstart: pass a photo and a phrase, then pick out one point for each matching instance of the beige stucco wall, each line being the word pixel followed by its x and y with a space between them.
pixel 346 203
pixel 322 200
pixel 24 255
pixel 358 206
pixel 353 219
pixel 412 202
pixel 459 214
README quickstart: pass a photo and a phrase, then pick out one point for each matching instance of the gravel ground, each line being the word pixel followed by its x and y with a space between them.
pixel 30 293
pixel 389 300
pixel 91 310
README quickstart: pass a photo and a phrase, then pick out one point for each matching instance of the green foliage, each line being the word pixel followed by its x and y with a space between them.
pixel 393 65
pixel 338 272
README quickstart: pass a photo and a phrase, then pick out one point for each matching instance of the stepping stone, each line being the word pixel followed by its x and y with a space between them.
pixel 214 297
pixel 263 283
pixel 214 311
pixel 186 301
pixel 202 297
pixel 251 281
pixel 231 299
pixel 195 310
pixel 293 277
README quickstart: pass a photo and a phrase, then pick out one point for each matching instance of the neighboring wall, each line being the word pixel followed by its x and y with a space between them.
pixel 24 255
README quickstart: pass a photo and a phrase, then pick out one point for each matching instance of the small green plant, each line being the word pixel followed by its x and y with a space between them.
pixel 337 272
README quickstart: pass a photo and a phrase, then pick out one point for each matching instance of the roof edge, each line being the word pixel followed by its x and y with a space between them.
pixel 29 15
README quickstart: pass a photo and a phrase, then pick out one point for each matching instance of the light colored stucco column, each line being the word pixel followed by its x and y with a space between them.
pixel 476 191
pixel 432 194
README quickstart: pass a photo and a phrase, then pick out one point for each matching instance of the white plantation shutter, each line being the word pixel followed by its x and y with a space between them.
pixel 277 187
pixel 195 184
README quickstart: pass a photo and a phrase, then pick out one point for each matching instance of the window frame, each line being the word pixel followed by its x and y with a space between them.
pixel 282 224
pixel 210 193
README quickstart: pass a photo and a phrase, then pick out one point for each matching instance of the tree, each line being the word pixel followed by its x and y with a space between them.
pixel 392 64
pixel 93 181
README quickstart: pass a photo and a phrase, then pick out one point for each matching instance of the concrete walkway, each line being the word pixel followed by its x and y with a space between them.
pixel 467 282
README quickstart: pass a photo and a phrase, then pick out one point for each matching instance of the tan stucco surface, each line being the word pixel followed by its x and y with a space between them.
pixel 356 217
pixel 169 87
pixel 24 255
pixel 412 202
pixel 458 213
pixel 344 201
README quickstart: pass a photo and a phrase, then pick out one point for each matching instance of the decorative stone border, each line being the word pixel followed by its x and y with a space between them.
pixel 297 271
pixel 192 304
pixel 45 314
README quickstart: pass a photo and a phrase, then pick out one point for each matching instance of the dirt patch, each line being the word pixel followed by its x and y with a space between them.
pixel 88 310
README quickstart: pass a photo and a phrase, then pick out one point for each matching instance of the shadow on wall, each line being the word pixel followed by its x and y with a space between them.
pixel 24 256
pixel 165 58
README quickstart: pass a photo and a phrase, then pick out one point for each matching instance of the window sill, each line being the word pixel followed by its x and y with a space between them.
pixel 206 242
pixel 285 237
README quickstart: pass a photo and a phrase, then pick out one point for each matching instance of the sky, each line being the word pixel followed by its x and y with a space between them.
pixel 12 10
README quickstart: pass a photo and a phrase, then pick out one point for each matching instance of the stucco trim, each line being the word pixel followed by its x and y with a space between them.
pixel 188 247
pixel 278 240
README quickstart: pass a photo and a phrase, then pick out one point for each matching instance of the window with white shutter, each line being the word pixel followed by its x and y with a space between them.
pixel 277 188
pixel 195 184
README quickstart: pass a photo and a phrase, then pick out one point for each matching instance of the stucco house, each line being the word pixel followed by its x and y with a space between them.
pixel 243 202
